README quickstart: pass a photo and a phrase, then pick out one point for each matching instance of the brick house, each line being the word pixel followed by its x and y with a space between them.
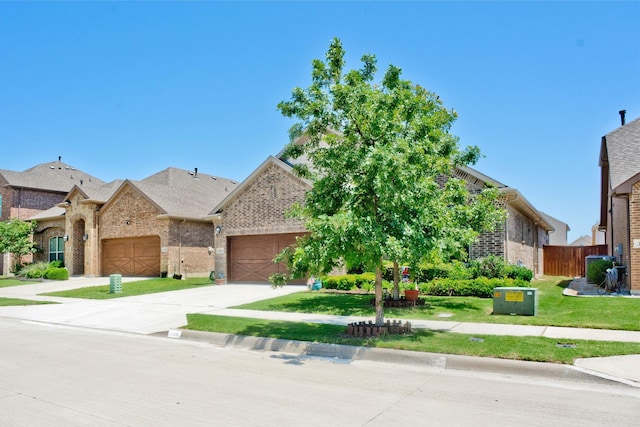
pixel 30 192
pixel 182 222
pixel 253 227
pixel 251 223
pixel 620 197
pixel 150 227
pixel 520 239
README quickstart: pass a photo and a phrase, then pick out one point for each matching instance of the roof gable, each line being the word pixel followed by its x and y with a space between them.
pixel 621 148
pixel 251 178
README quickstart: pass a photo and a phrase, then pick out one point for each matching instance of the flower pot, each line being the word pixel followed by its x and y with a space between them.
pixel 411 294
pixel 219 281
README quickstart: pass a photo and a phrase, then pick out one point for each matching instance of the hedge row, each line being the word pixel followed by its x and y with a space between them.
pixel 481 287
pixel 490 267
pixel 349 282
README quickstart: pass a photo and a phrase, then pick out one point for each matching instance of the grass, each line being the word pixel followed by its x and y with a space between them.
pixel 140 287
pixel 6 302
pixel 5 283
pixel 554 309
pixel 507 347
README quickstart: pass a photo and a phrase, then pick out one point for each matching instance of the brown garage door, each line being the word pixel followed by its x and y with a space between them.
pixel 251 257
pixel 139 256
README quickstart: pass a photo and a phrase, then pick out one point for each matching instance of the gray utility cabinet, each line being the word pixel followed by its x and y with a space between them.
pixel 516 301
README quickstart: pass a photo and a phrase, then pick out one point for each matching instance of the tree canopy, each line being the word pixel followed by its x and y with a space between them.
pixel 15 238
pixel 381 157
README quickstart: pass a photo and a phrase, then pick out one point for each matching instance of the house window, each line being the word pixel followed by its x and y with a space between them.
pixel 56 249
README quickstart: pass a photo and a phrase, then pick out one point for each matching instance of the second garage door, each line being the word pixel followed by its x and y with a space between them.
pixel 251 257
pixel 139 256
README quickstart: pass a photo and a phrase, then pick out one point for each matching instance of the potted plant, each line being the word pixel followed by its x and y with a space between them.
pixel 412 294
pixel 219 278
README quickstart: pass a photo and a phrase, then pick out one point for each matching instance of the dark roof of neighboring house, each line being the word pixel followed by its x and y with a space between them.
pixel 52 176
pixel 623 152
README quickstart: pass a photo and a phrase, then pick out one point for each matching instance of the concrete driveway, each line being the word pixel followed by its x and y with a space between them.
pixel 145 314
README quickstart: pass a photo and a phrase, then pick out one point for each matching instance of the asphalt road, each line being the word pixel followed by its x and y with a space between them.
pixel 67 376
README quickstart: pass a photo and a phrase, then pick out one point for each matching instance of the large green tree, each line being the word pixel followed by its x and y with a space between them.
pixel 381 157
pixel 15 238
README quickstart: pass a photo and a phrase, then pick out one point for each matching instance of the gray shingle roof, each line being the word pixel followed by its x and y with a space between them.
pixel 185 194
pixel 623 152
pixel 53 176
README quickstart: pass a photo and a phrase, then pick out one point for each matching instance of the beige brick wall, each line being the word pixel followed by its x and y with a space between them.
pixel 46 230
pixel 129 214
pixel 633 268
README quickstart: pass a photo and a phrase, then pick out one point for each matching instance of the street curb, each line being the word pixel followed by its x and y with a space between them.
pixel 353 353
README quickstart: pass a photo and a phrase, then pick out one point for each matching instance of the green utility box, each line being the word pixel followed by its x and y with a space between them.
pixel 115 284
pixel 515 301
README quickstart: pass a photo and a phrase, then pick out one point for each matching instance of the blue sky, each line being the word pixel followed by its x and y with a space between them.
pixel 126 89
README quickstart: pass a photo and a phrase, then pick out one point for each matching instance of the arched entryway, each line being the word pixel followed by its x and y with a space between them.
pixel 78 242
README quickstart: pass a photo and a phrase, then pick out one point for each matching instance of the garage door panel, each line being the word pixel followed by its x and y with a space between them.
pixel 251 257
pixel 138 256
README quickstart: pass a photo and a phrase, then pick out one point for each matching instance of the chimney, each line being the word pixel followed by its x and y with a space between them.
pixel 622 113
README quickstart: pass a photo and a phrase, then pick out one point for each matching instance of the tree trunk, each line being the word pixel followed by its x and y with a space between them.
pixel 396 281
pixel 378 299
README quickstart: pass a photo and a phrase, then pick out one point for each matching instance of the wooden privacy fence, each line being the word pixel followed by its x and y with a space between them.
pixel 569 260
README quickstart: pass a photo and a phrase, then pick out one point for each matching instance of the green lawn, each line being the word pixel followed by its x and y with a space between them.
pixel 5 283
pixel 506 347
pixel 5 302
pixel 140 287
pixel 554 309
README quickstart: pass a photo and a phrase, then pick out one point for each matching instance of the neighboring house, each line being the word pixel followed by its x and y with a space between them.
pixel 27 193
pixel 181 222
pixel 254 228
pixel 620 197
pixel 597 236
pixel 521 237
pixel 582 241
pixel 151 227
pixel 558 237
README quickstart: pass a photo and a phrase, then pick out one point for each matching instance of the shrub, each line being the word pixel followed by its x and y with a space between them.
pixel 518 272
pixel 491 267
pixel 481 287
pixel 30 270
pixel 34 274
pixel 597 270
pixel 432 271
pixel 54 273
pixel 349 282
pixel 56 264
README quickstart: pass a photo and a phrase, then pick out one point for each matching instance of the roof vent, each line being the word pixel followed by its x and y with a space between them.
pixel 622 114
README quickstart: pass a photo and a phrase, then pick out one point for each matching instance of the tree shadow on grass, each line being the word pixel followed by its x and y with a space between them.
pixel 361 305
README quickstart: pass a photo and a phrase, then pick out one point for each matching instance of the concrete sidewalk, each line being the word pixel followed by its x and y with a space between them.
pixel 161 312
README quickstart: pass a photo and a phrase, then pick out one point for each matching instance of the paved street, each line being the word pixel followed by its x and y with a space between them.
pixel 68 376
